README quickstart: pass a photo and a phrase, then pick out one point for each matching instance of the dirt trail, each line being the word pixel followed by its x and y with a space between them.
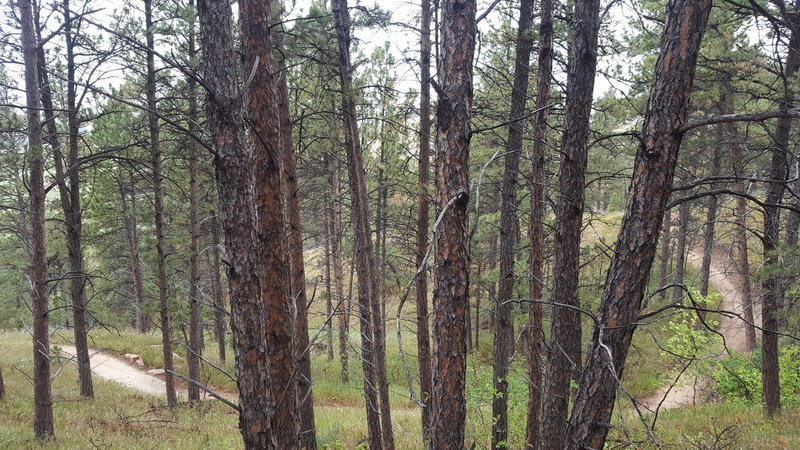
pixel 724 277
pixel 110 367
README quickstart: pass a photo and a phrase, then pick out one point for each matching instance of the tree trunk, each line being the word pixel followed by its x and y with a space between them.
pixel 142 320
pixel 291 200
pixel 336 249
pixel 2 385
pixel 216 287
pixel 666 252
pixel 379 422
pixel 268 131
pixel 37 272
pixel 711 219
pixel 234 173
pixel 328 280
pixel 772 284
pixel 648 194
pixel 504 326
pixel 423 201
pixel 742 257
pixel 158 205
pixel 69 196
pixel 536 230
pixel 195 330
pixel 680 258
pixel 451 293
pixel 564 358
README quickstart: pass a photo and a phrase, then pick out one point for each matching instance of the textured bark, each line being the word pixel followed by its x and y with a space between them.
pixel 423 201
pixel 69 196
pixel 536 229
pixel 262 97
pixel 636 245
pixel 336 250
pixel 234 173
pixel 680 257
pixel 772 284
pixel 158 205
pixel 142 320
pixel 564 358
pixel 37 272
pixel 451 293
pixel 216 288
pixel 291 199
pixel 378 413
pixel 504 326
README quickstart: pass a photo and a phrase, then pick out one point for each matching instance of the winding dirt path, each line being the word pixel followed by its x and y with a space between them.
pixel 724 277
pixel 112 368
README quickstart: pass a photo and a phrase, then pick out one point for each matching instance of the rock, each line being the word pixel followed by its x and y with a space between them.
pixel 139 362
pixel 132 357
pixel 156 371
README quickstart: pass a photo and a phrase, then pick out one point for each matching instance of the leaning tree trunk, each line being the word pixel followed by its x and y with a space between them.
pixel 234 173
pixel 158 205
pixel 504 325
pixel 648 194
pixel 37 272
pixel 423 200
pixel 564 358
pixel 378 414
pixel 451 293
pixel 536 231
pixel 772 284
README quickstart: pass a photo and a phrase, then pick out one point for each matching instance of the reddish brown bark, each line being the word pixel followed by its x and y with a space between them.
pixel 291 200
pixel 37 272
pixel 648 194
pixel 451 293
pixel 564 358
pixel 267 133
pixel 423 200
pixel 536 230
pixel 234 173
pixel 509 222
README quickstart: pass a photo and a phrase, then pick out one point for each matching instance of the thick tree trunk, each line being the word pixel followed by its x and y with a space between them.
pixel 423 201
pixel 504 326
pixel 338 276
pixel 451 293
pixel 536 230
pixel 564 358
pixel 37 272
pixel 772 285
pixel 648 194
pixel 158 205
pixel 216 288
pixel 234 172
pixel 379 422
pixel 291 198
pixel 268 130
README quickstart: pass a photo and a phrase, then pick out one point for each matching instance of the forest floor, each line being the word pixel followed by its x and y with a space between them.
pixel 694 390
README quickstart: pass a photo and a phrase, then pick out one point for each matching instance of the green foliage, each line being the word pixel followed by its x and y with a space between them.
pixel 739 377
